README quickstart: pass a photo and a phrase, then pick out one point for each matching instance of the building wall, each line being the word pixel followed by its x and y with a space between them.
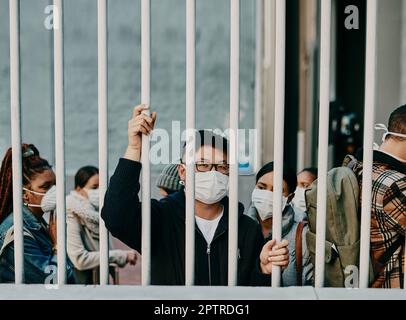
pixel 391 18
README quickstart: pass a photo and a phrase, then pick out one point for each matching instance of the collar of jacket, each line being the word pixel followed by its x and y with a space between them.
pixel 31 221
pixel 384 158
pixel 180 199
pixel 288 219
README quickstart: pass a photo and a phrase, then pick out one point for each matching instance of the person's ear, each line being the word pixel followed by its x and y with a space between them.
pixel 182 172
pixel 26 198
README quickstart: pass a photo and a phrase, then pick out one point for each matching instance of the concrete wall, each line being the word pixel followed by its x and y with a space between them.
pixel 167 75
pixel 390 89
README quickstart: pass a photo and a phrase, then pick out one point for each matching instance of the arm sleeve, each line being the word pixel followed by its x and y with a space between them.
pixel 122 207
pixel 258 279
pixel 395 206
pixel 81 258
pixel 38 267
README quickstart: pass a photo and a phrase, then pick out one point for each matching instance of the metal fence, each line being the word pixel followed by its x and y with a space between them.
pixel 324 98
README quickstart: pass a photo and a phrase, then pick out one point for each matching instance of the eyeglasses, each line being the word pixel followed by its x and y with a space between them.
pixel 223 168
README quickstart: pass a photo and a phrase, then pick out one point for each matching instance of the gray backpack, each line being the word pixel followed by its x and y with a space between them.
pixel 342 225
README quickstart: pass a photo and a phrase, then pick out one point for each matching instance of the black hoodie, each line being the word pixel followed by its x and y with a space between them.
pixel 122 216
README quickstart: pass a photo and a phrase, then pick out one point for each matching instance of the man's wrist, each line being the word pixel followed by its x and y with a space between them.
pixel 263 268
pixel 133 153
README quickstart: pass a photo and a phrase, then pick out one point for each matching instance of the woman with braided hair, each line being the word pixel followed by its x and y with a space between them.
pixel 39 197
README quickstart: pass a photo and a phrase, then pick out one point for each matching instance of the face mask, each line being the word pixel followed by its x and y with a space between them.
pixel 210 187
pixel 48 202
pixel 381 126
pixel 93 195
pixel 299 200
pixel 263 202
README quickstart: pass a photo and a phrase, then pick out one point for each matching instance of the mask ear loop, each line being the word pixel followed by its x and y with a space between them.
pixel 382 127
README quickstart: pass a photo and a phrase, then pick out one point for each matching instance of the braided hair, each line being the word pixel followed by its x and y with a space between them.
pixel 32 164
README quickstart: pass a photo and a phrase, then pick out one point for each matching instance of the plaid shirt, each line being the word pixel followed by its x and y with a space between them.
pixel 388 214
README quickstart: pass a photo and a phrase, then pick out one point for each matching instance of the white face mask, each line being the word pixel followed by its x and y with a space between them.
pixel 263 202
pixel 48 202
pixel 381 126
pixel 93 196
pixel 299 201
pixel 210 187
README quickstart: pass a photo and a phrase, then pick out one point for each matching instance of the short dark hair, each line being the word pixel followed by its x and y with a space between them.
pixel 312 171
pixel 209 138
pixel 397 122
pixel 289 175
pixel 84 174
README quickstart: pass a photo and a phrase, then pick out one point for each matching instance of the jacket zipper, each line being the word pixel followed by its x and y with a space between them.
pixel 209 262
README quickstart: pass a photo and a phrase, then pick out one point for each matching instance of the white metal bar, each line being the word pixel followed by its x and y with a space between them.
pixel 325 40
pixel 233 158
pixel 146 184
pixel 190 126
pixel 60 144
pixel 369 119
pixel 14 6
pixel 258 81
pixel 280 49
pixel 103 131
pixel 301 141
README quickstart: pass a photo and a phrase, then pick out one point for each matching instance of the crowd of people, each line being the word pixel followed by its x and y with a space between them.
pixel 258 251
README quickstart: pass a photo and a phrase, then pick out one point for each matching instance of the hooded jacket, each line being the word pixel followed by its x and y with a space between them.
pixel 122 216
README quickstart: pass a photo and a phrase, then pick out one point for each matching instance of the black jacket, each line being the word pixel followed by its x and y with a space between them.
pixel 122 216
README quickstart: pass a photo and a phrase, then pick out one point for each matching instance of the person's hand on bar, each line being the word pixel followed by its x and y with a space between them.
pixel 139 124
pixel 131 257
pixel 273 254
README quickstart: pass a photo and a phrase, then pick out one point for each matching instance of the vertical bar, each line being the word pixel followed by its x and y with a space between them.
pixel 258 81
pixel 280 49
pixel 16 139
pixel 190 126
pixel 146 185
pixel 233 158
pixel 369 119
pixel 103 129
pixel 325 39
pixel 60 143
pixel 301 141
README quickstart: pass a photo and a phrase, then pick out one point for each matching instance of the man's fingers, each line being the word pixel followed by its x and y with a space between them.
pixel 280 263
pixel 153 116
pixel 279 258
pixel 278 252
pixel 139 109
pixel 135 124
pixel 282 244
pixel 269 245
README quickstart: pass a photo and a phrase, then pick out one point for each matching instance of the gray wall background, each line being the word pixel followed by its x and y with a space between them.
pixel 167 74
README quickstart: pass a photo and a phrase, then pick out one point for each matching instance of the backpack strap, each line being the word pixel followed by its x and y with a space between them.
pixel 9 238
pixel 299 252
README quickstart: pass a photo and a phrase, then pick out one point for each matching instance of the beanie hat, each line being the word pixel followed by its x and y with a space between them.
pixel 169 178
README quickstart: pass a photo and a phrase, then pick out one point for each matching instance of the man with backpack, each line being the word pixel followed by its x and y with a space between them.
pixel 388 213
